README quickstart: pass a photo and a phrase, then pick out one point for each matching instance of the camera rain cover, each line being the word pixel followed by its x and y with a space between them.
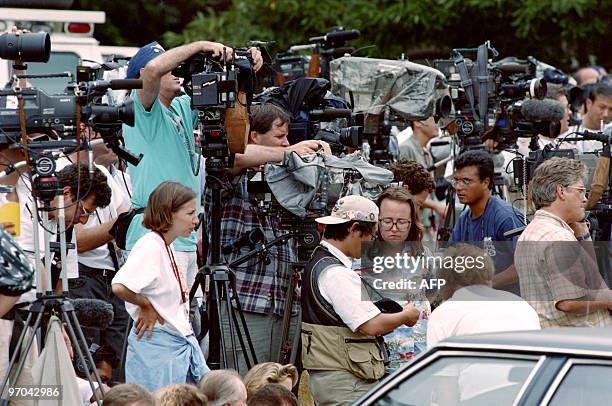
pixel 410 90
pixel 299 182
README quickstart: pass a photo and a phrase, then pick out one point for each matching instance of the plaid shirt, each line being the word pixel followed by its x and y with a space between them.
pixel 553 266
pixel 261 287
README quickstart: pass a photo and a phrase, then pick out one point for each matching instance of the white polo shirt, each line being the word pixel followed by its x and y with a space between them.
pixel 341 286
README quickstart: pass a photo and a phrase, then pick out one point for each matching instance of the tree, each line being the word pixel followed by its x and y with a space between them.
pixel 561 32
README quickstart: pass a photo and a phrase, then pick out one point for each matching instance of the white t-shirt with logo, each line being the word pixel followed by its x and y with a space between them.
pixel 148 271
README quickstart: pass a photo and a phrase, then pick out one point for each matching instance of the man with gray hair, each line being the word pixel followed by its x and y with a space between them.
pixel 223 387
pixel 554 258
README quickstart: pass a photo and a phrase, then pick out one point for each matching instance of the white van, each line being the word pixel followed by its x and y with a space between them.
pixel 72 42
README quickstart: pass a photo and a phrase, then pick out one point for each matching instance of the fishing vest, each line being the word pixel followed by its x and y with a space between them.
pixel 327 342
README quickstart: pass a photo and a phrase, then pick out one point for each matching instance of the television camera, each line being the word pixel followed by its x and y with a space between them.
pixel 291 65
pixel 499 100
pixel 58 116
pixel 316 114
pixel 386 93
pixel 221 91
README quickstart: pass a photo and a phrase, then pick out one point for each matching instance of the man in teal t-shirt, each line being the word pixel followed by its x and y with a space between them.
pixel 163 133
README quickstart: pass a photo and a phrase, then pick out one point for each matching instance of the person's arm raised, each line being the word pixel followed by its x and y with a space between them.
pixel 156 68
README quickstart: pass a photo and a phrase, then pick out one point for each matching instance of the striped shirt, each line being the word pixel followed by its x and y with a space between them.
pixel 262 288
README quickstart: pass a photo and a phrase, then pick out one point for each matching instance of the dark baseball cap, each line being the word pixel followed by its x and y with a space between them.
pixel 142 57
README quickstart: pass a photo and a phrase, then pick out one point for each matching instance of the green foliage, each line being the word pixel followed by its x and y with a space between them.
pixel 560 32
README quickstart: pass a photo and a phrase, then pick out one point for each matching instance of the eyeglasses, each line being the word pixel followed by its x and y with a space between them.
pixel 84 210
pixel 461 182
pixel 387 223
pixel 583 191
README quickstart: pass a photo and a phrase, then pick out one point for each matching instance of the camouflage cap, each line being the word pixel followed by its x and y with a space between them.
pixel 351 208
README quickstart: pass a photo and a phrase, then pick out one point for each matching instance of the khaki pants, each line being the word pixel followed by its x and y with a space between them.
pixel 331 388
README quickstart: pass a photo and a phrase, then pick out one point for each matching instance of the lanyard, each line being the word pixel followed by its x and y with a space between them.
pixel 175 270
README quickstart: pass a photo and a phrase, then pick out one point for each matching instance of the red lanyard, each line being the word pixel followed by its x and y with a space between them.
pixel 175 270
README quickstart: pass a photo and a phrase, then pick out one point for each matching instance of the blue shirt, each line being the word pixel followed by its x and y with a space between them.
pixel 498 218
pixel 165 137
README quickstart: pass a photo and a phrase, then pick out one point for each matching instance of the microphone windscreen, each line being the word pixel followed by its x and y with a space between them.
pixel 127 84
pixel 339 36
pixel 543 110
pixel 93 313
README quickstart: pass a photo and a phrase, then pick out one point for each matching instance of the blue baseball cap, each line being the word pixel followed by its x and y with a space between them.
pixel 142 57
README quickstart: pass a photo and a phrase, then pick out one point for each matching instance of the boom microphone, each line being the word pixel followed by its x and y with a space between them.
pixel 542 110
pixel 128 84
pixel 601 136
pixel 116 84
pixel 337 36
pixel 329 114
pixel 93 313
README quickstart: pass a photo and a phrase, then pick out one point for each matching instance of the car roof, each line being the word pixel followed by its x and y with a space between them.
pixel 567 340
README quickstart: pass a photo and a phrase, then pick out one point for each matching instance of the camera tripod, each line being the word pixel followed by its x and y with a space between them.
pixel 50 303
pixel 222 282
pixel 222 291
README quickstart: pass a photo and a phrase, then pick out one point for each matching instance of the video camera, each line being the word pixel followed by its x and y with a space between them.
pixel 316 114
pixel 499 100
pixel 290 65
pixel 222 92
pixel 58 115
pixel 389 92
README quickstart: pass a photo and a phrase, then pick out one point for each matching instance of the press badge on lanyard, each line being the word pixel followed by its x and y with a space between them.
pixel 489 247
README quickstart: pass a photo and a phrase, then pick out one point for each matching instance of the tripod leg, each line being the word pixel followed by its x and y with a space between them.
pixel 18 350
pixel 231 327
pixel 196 283
pixel 242 345
pixel 28 346
pixel 244 325
pixel 89 361
pixel 124 349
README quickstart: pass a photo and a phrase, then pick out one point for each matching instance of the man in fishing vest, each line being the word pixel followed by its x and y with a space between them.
pixel 339 322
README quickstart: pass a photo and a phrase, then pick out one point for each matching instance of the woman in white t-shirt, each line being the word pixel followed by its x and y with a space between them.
pixel 157 295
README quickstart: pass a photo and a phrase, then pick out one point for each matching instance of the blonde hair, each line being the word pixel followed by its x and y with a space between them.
pixel 127 394
pixel 180 395
pixel 268 372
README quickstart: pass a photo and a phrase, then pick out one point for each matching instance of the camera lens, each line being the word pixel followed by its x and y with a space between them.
pixel 29 47
pixel 537 89
pixel 444 106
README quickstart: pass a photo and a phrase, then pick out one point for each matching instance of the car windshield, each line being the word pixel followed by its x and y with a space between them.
pixel 59 62
pixel 451 381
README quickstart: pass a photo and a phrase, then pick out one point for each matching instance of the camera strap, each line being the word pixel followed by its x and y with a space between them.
pixel 178 123
pixel 175 270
